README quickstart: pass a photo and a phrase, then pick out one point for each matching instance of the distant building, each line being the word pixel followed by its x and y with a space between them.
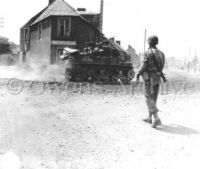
pixel 57 26
pixel 135 58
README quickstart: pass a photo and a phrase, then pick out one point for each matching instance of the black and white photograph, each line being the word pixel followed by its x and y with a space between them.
pixel 99 84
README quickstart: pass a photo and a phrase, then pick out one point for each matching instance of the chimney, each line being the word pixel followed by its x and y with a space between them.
pixel 51 1
pixel 101 16
pixel 112 39
pixel 118 42
pixel 81 9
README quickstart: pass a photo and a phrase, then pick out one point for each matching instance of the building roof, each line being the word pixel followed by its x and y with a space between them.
pixel 34 18
pixel 57 8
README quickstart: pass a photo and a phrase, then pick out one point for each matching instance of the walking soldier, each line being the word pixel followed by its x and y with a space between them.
pixel 151 71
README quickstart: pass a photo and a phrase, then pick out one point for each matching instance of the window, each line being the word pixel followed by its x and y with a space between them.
pixel 26 34
pixel 40 31
pixel 64 28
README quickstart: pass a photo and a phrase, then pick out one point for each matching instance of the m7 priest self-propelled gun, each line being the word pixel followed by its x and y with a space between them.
pixel 105 62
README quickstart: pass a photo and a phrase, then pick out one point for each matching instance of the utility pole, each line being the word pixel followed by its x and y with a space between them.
pixel 185 63
pixel 188 66
pixel 1 22
pixel 145 37
pixel 195 61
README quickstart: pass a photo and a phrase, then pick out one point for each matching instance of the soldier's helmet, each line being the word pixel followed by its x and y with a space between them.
pixel 153 40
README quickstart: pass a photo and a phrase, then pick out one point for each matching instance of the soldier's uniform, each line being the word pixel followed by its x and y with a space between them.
pixel 152 78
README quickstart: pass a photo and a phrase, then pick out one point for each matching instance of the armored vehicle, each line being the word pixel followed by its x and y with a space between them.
pixel 104 62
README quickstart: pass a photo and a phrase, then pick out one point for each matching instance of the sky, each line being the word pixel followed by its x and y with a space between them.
pixel 175 22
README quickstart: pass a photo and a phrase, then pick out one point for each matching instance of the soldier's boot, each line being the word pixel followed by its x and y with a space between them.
pixel 157 121
pixel 148 119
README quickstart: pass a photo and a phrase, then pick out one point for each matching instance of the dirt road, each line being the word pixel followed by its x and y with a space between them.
pixel 105 131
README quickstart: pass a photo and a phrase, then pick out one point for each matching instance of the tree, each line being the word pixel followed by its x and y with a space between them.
pixel 4 45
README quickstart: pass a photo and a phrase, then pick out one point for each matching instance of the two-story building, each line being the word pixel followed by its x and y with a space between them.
pixel 57 26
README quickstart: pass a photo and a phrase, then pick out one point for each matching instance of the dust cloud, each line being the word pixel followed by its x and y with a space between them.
pixel 33 72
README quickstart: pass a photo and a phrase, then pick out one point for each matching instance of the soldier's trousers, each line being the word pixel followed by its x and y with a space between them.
pixel 151 95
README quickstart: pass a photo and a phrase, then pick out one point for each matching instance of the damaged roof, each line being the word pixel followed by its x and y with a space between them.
pixel 57 8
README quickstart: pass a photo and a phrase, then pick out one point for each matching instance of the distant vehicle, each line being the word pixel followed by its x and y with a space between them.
pixel 105 62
